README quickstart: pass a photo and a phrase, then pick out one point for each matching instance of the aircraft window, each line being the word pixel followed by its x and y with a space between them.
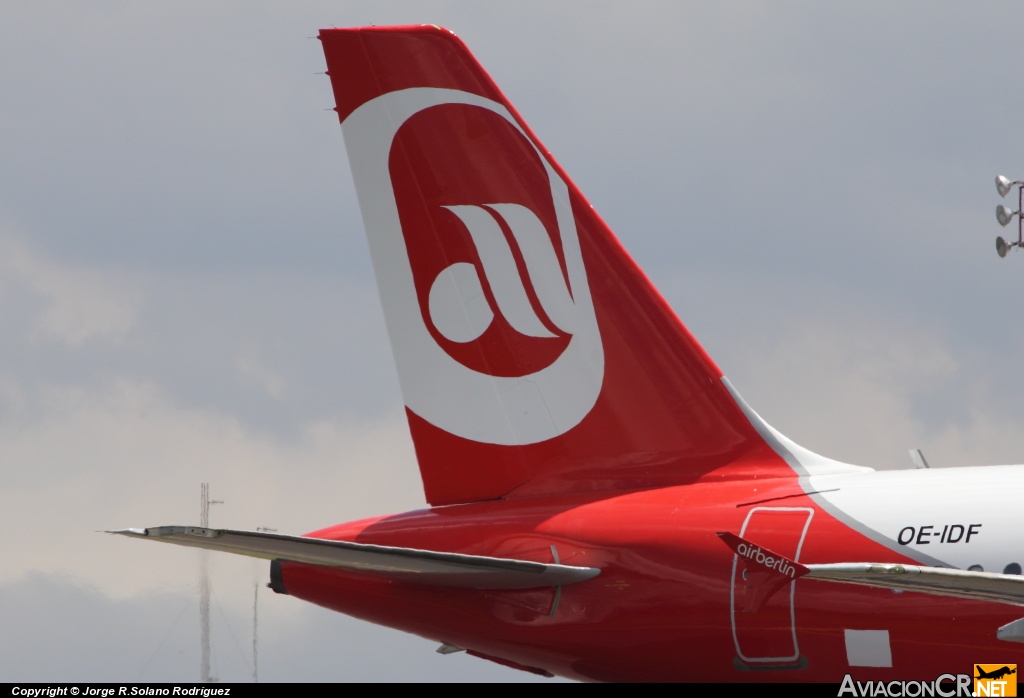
pixel 975 568
pixel 1012 568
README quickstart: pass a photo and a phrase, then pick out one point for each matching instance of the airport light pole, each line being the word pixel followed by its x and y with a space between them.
pixel 1004 215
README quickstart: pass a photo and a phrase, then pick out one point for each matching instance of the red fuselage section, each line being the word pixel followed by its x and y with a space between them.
pixel 668 604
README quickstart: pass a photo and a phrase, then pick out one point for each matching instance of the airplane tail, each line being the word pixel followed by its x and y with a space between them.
pixel 534 356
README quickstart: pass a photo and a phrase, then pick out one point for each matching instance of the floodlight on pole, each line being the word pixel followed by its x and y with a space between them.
pixel 1004 185
pixel 1004 215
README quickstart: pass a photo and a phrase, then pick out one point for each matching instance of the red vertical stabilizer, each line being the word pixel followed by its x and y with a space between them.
pixel 534 355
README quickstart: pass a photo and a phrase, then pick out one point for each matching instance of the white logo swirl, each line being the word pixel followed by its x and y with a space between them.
pixel 473 405
pixel 454 306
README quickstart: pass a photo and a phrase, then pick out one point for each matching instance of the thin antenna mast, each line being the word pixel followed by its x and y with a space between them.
pixel 255 627
pixel 255 618
pixel 204 586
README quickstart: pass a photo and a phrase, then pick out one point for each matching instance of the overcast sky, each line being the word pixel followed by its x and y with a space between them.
pixel 186 292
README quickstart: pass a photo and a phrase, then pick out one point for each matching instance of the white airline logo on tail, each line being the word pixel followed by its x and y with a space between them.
pixel 506 410
pixel 506 284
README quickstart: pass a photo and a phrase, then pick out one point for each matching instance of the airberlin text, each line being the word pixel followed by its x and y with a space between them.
pixel 946 686
pixel 948 533
pixel 757 555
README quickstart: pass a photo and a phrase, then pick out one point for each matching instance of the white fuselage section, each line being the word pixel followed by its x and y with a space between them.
pixel 951 517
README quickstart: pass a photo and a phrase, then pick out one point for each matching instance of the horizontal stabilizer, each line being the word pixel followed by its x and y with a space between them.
pixel 405 564
pixel 961 584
